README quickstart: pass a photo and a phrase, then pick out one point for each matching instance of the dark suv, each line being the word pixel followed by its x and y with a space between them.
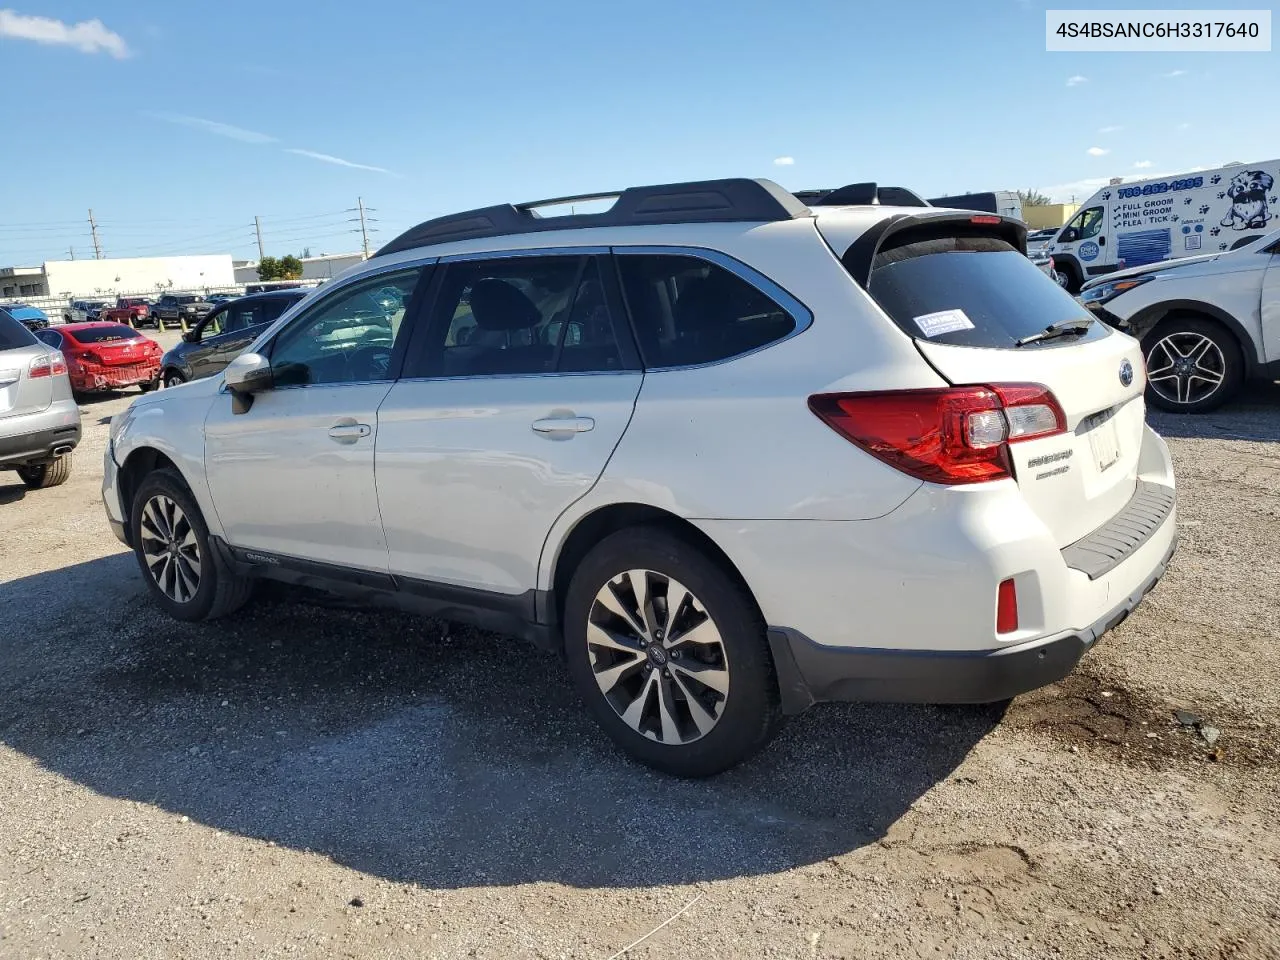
pixel 216 339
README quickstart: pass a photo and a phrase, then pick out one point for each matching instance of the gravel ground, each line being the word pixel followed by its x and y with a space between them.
pixel 308 780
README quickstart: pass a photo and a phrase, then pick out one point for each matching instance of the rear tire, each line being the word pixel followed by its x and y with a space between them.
pixel 1194 365
pixel 148 387
pixel 692 706
pixel 47 474
pixel 188 580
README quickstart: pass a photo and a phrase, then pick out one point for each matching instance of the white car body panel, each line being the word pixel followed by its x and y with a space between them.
pixel 468 488
pixel 1241 285
pixel 282 484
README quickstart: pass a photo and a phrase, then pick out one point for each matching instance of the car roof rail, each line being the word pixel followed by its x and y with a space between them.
pixel 862 194
pixel 737 200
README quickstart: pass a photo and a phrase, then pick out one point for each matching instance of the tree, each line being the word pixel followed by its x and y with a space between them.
pixel 290 268
pixel 1033 198
pixel 269 269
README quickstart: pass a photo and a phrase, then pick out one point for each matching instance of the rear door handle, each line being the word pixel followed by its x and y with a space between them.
pixel 349 431
pixel 564 425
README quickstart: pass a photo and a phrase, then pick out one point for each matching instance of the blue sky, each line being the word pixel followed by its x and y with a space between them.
pixel 178 122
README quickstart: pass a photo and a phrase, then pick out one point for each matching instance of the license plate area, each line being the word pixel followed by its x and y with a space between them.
pixel 1104 439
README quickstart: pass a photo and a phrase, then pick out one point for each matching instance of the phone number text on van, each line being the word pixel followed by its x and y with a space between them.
pixel 1190 183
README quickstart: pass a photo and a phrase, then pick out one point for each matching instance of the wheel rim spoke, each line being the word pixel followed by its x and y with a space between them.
pixel 714 677
pixel 672 697
pixel 170 548
pixel 610 601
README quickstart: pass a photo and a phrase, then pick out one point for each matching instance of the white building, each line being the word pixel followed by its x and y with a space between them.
pixel 104 278
pixel 313 268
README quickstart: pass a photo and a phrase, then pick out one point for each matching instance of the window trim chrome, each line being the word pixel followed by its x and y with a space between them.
pixel 793 305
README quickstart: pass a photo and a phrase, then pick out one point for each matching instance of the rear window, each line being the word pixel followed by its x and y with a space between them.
pixel 972 292
pixel 13 334
pixel 116 331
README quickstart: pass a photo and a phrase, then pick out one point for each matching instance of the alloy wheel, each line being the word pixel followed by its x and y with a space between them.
pixel 658 657
pixel 1186 368
pixel 170 548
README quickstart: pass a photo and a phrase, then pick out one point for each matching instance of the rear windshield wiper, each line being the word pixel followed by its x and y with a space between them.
pixel 1054 330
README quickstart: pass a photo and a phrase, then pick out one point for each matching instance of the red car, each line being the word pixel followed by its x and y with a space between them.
pixel 106 356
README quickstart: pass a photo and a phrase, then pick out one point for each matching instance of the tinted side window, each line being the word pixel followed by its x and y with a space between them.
pixel 522 315
pixel 13 334
pixel 348 336
pixel 241 317
pixel 273 308
pixel 687 310
pixel 52 337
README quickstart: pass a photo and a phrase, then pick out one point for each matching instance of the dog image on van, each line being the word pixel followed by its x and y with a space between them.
pixel 1248 193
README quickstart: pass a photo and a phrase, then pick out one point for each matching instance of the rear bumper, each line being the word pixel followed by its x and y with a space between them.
pixel 39 446
pixel 109 378
pixel 810 672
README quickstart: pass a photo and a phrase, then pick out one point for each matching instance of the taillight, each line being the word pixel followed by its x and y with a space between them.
pixel 51 365
pixel 1006 607
pixel 90 357
pixel 951 435
pixel 985 220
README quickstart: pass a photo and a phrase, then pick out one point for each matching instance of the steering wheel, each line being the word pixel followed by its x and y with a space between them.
pixel 369 362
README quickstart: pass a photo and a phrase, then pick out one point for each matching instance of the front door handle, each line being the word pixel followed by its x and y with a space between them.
pixel 563 425
pixel 348 431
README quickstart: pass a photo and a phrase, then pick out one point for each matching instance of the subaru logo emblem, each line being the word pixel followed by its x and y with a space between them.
pixel 1126 373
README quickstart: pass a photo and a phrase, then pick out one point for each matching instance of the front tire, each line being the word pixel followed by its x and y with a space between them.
pixel 45 475
pixel 669 652
pixel 172 378
pixel 186 576
pixel 1193 365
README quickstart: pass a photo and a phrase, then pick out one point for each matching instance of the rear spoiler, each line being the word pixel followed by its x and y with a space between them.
pixel 904 228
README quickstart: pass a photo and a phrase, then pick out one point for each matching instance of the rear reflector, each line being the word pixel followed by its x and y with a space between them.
pixel 985 220
pixel 951 435
pixel 1007 607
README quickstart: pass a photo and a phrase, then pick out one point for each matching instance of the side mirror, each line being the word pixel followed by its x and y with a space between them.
pixel 1069 236
pixel 246 375
pixel 191 336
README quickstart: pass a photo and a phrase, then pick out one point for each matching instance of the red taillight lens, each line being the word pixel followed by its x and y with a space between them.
pixel 90 357
pixel 1007 607
pixel 951 435
pixel 52 365
pixel 985 220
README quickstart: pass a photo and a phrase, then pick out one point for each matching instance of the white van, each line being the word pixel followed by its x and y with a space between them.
pixel 1147 221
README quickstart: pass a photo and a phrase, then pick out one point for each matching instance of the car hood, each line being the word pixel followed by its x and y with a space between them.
pixel 1162 267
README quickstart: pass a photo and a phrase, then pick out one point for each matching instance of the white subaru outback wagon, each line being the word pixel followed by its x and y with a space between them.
pixel 729 453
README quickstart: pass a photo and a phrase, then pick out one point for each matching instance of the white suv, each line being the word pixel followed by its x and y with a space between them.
pixel 1207 324
pixel 728 454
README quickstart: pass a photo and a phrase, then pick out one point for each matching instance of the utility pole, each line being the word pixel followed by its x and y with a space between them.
pixel 72 251
pixel 364 230
pixel 93 229
pixel 257 225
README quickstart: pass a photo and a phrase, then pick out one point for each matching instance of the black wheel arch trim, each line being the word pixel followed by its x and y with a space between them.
pixel 1148 318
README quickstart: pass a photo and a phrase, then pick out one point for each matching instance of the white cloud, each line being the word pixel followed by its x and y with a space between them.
pixel 1174 73
pixel 784 161
pixel 337 161
pixel 1097 151
pixel 87 36
pixel 1110 129
pixel 1142 164
pixel 214 127
pixel 1076 80
pixel 1080 189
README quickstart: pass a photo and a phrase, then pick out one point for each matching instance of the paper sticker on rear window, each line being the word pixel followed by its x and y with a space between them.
pixel 944 321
